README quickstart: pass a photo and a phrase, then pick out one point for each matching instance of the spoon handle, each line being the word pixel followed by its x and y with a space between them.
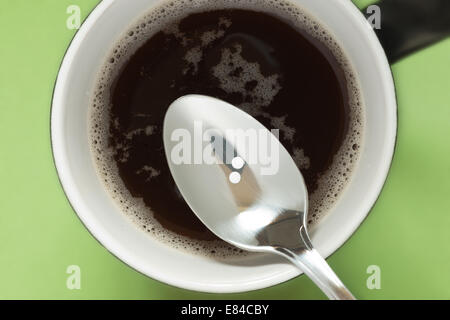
pixel 316 268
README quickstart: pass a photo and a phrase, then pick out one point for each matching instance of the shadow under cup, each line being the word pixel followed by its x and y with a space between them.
pixel 103 218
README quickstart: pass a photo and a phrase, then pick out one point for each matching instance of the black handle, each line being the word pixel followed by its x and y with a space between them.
pixel 409 25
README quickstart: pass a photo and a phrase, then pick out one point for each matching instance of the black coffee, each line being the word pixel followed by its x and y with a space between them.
pixel 288 78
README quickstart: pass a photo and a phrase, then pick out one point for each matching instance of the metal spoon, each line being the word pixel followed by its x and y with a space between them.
pixel 235 198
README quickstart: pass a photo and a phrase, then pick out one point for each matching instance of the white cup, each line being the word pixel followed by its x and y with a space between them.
pixel 99 213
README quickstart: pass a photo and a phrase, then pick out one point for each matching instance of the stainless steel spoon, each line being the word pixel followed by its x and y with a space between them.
pixel 237 198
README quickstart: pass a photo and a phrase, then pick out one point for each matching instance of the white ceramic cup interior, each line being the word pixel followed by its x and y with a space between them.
pixel 98 212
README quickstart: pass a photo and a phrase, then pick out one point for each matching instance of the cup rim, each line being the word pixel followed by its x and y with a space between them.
pixel 60 160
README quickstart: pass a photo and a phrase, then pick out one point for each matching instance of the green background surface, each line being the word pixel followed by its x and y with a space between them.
pixel 407 233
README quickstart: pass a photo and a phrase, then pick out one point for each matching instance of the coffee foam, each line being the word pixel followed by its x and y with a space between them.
pixel 164 18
